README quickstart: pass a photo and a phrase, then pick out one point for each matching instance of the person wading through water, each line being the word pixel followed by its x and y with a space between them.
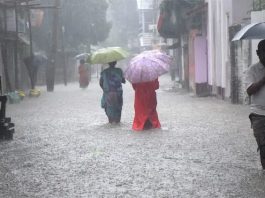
pixel 145 106
pixel 255 79
pixel 111 80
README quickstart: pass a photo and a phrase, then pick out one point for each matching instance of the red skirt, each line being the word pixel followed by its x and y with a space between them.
pixel 145 105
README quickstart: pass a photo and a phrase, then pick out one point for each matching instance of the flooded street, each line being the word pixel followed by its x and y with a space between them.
pixel 63 147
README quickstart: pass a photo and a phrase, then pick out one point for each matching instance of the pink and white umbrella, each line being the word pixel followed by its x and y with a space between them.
pixel 147 66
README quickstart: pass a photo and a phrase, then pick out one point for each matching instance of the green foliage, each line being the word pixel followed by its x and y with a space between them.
pixel 85 21
pixel 259 5
pixel 124 19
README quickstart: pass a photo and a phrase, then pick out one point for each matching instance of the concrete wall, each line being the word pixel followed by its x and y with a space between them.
pixel 2 73
pixel 219 12
pixel 221 15
pixel 245 55
pixel 226 20
pixel 200 54
pixel 211 42
pixel 256 17
pixel 241 57
pixel 242 54
pixel 241 10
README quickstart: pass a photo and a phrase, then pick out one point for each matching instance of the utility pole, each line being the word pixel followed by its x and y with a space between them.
pixel 5 54
pixel 16 48
pixel 30 28
pixel 63 54
pixel 50 72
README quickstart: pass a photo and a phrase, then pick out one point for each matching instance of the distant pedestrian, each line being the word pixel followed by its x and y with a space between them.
pixel 145 105
pixel 255 78
pixel 83 74
pixel 111 80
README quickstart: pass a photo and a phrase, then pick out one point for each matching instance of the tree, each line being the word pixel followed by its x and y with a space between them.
pixel 84 22
pixel 67 24
pixel 259 5
pixel 125 22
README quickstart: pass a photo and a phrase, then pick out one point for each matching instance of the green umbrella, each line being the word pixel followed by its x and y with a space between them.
pixel 108 54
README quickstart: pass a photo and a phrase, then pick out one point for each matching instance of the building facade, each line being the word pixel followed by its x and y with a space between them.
pixel 210 64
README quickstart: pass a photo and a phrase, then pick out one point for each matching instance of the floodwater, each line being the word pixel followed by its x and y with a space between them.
pixel 64 147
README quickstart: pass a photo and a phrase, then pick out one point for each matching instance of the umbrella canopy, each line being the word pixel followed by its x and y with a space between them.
pixel 251 31
pixel 38 59
pixel 109 54
pixel 147 66
pixel 82 56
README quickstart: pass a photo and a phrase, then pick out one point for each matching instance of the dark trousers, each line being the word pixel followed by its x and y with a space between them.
pixel 3 100
pixel 258 126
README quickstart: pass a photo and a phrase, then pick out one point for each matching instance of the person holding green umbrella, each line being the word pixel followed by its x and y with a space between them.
pixel 107 55
pixel 111 80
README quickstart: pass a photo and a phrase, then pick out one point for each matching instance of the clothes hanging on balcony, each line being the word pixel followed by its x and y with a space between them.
pixel 169 23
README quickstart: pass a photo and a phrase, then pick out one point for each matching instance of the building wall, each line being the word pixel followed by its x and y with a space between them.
pixel 239 15
pixel 201 65
pixel 241 51
pixel 221 20
pixel 191 77
pixel 184 59
pixel 200 59
pixel 184 62
pixel 243 61
pixel 2 72
pixel 226 20
pixel 256 17
pixel 221 15
pixel 218 45
pixel 148 13
pixel 211 42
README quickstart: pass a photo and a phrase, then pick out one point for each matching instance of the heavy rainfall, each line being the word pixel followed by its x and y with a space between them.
pixel 132 98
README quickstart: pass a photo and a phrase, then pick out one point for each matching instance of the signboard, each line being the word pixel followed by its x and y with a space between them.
pixel 145 4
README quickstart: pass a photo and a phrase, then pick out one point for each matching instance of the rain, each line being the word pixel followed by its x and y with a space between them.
pixel 132 98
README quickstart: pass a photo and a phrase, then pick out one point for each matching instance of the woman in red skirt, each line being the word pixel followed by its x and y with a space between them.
pixel 145 105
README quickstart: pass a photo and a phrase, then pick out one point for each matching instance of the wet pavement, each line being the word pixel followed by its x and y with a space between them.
pixel 63 147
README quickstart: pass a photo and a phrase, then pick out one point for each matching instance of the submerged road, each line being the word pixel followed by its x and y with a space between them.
pixel 64 147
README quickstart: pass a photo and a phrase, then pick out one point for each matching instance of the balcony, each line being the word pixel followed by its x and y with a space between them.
pixel 145 39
